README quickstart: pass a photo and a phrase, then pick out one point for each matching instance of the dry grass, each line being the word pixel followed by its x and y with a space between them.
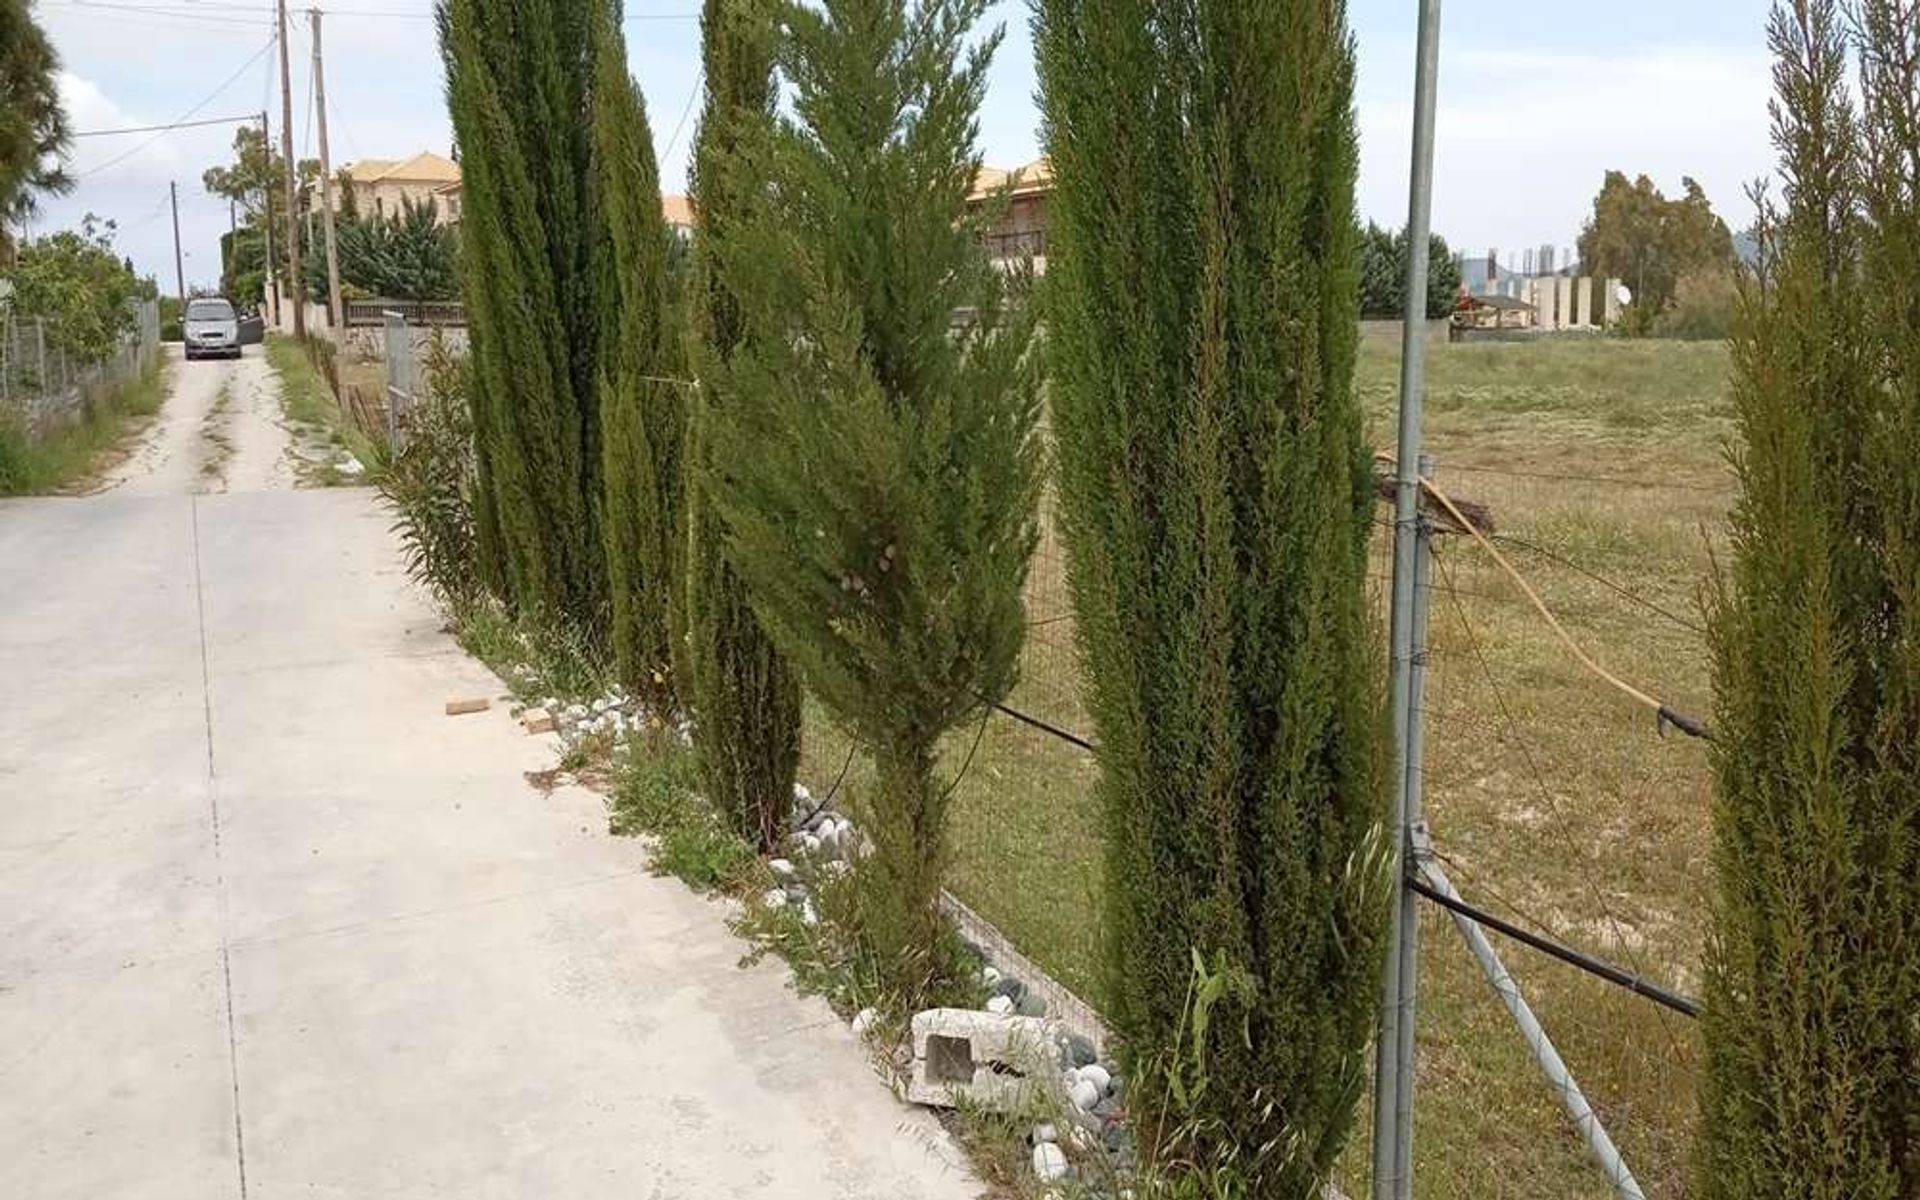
pixel 1552 796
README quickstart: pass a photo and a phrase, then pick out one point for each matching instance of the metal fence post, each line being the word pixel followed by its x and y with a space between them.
pixel 1393 1068
pixel 1413 774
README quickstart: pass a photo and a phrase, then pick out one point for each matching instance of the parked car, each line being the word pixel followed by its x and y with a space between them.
pixel 211 328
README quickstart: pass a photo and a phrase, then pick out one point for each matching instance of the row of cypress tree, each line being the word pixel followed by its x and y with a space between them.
pixel 847 497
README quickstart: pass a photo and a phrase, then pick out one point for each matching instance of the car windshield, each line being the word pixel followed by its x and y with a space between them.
pixel 209 310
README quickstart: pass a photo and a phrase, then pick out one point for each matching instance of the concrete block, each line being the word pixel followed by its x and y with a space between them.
pixel 537 720
pixel 476 704
pixel 1565 306
pixel 997 1062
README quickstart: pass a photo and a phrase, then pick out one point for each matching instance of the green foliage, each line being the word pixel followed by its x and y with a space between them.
pixel 877 467
pixel 33 126
pixel 656 794
pixel 1383 274
pixel 429 483
pixel 745 700
pixel 533 248
pixel 1703 308
pixel 641 409
pixel 405 255
pixel 1648 242
pixel 81 290
pixel 1813 964
pixel 30 466
pixel 1216 496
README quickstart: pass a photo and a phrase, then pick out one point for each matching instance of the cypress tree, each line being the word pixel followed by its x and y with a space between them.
pixel 641 408
pixel 519 75
pixel 876 461
pixel 1215 496
pixel 746 701
pixel 1812 1082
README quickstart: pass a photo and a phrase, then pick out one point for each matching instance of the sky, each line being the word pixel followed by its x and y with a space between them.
pixel 1537 102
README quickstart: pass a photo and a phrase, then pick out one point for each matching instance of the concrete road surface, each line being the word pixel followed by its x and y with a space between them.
pixel 219 431
pixel 271 925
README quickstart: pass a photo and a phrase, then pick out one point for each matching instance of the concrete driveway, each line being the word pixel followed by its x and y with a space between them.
pixel 271 925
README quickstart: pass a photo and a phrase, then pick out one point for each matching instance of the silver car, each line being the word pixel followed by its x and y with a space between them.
pixel 211 329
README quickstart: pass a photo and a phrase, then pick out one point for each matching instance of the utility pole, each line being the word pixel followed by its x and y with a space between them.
pixel 293 198
pixel 335 314
pixel 266 229
pixel 179 267
pixel 1394 1048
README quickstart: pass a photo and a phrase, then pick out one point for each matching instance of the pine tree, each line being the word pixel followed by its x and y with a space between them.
pixel 1215 494
pixel 519 90
pixel 876 462
pixel 641 407
pixel 1813 962
pixel 746 701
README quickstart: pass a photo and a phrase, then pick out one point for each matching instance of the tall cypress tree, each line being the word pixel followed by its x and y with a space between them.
pixel 641 406
pixel 1215 497
pixel 1813 962
pixel 519 90
pixel 746 701
pixel 876 465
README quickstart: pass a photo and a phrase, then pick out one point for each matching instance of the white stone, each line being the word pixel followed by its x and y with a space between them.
pixel 801 795
pixel 989 975
pixel 809 843
pixel 775 898
pixel 1098 1076
pixel 1045 1132
pixel 1049 1161
pixel 863 1021
pixel 1000 1063
pixel 1084 1095
pixel 781 868
pixel 1000 1005
pixel 807 915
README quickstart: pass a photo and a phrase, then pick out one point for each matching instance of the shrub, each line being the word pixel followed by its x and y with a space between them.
pixel 1216 496
pixel 877 468
pixel 1703 308
pixel 429 485
pixel 746 702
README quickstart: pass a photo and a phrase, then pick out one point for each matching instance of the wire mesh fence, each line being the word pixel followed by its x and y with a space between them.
pixel 45 386
pixel 1554 801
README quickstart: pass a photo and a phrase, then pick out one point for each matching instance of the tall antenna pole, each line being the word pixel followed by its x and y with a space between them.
pixel 179 268
pixel 293 202
pixel 1393 1072
pixel 335 314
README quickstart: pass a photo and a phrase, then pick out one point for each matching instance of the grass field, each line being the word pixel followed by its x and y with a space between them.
pixel 315 416
pixel 1552 797
pixel 68 457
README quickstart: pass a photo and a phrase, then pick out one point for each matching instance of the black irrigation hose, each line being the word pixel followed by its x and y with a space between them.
pixel 1684 1005
pixel 832 791
pixel 1045 727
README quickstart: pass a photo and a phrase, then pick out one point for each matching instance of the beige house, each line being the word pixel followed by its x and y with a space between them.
pixel 1022 229
pixel 380 186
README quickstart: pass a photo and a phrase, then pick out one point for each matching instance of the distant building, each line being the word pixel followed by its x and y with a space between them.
pixel 1021 231
pixel 380 187
pixel 678 210
pixel 1494 312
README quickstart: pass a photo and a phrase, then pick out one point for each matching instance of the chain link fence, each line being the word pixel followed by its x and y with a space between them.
pixel 46 388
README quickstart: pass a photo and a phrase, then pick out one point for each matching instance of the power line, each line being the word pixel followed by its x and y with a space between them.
pixel 164 128
pixel 185 116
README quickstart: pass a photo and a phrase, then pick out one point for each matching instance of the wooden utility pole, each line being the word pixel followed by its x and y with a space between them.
pixel 266 229
pixel 336 315
pixel 293 198
pixel 179 264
